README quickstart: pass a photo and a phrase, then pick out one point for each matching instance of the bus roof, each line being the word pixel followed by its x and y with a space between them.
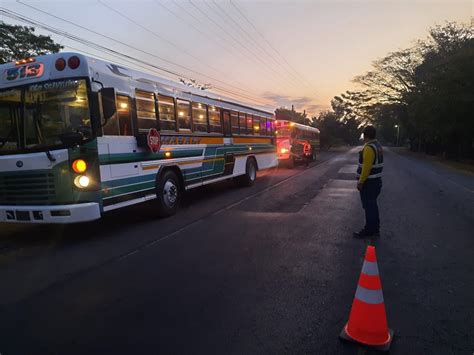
pixel 109 74
pixel 297 125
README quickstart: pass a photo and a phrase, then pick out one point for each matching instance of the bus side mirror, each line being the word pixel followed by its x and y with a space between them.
pixel 109 107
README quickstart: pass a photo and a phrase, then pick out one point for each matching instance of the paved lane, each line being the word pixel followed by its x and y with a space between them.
pixel 272 269
pixel 44 255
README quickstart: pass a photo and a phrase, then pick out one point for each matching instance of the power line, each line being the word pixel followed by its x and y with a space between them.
pixel 254 42
pixel 232 50
pixel 99 47
pixel 189 24
pixel 157 35
pixel 137 49
pixel 235 39
pixel 268 42
pixel 190 14
pixel 162 38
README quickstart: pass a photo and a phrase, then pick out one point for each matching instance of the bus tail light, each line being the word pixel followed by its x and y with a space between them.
pixel 79 166
pixel 82 181
pixel 284 150
pixel 60 64
pixel 73 62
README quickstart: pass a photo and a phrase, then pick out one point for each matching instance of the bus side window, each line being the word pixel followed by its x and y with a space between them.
pixel 256 125
pixel 184 114
pixel 199 117
pixel 166 112
pixel 242 125
pixel 234 119
pixel 146 115
pixel 120 124
pixel 124 116
pixel 249 124
pixel 215 125
pixel 271 127
pixel 263 126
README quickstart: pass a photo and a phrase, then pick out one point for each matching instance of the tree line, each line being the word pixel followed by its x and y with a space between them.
pixel 421 96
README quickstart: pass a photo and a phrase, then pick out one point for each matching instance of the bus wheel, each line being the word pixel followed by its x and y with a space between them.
pixel 168 194
pixel 248 179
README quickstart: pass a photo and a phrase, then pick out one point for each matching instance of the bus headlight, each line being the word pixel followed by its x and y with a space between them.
pixel 284 150
pixel 82 181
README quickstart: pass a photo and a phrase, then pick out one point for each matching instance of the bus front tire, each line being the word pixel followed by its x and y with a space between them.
pixel 168 194
pixel 248 179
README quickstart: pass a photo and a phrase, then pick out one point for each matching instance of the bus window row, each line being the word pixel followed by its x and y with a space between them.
pixel 169 114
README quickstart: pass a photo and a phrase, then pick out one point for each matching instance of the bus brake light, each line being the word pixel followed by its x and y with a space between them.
pixel 60 64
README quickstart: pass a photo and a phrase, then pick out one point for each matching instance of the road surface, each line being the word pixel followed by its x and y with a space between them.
pixel 267 269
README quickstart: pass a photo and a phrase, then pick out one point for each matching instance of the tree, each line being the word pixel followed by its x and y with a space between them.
pixel 291 115
pixel 17 42
pixel 337 129
pixel 427 89
pixel 441 107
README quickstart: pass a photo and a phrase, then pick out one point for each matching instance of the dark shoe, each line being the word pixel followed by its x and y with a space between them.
pixel 362 234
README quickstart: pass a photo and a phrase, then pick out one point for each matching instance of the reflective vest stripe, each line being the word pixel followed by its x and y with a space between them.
pixel 369 296
pixel 373 165
pixel 374 176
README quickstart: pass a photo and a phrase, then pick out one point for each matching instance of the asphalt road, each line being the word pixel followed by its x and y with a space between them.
pixel 267 269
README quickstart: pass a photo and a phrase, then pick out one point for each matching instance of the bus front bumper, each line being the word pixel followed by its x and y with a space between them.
pixel 81 212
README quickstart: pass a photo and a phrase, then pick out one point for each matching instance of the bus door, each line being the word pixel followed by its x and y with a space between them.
pixel 229 158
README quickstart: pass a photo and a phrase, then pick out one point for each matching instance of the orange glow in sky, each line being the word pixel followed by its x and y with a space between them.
pixel 279 53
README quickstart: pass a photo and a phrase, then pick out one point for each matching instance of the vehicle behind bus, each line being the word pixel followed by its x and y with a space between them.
pixel 80 137
pixel 296 143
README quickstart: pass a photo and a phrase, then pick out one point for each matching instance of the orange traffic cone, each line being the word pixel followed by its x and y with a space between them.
pixel 368 321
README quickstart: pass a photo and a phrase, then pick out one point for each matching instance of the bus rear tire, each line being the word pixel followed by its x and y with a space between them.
pixel 168 194
pixel 248 179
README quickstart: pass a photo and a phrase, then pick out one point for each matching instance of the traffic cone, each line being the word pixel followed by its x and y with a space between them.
pixel 367 323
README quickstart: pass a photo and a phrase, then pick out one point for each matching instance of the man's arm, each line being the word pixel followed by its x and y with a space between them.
pixel 368 156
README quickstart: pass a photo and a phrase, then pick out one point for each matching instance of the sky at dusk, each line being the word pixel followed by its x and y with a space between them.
pixel 276 53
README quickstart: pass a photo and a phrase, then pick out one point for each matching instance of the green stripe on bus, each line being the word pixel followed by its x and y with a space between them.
pixel 121 158
pixel 129 189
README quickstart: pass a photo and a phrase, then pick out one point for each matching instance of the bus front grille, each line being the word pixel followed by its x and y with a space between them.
pixel 27 189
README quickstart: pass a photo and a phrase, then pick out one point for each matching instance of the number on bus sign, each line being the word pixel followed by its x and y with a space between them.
pixel 154 140
pixel 34 70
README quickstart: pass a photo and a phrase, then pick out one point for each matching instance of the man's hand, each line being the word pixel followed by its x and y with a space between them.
pixel 359 186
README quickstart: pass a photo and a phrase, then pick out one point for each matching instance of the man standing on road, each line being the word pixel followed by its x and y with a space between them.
pixel 369 185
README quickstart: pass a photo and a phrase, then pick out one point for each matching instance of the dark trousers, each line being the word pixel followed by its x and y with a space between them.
pixel 368 195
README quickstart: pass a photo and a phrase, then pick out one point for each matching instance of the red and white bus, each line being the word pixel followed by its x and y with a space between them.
pixel 296 143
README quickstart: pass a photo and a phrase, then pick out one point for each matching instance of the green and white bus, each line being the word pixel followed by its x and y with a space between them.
pixel 80 136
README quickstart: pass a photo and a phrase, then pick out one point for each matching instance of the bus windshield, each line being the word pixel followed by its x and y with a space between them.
pixel 40 116
pixel 283 132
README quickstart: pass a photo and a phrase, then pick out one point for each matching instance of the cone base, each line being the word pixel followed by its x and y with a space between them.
pixel 384 347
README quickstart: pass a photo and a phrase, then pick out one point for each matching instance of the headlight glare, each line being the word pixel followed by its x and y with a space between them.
pixel 82 181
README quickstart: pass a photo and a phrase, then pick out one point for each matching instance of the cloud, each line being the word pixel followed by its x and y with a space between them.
pixel 300 103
